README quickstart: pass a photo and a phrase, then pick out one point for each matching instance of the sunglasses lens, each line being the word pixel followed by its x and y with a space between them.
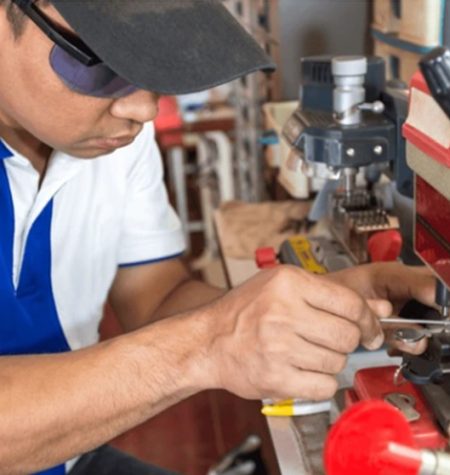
pixel 97 80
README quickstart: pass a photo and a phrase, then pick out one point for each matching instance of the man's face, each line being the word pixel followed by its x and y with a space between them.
pixel 34 99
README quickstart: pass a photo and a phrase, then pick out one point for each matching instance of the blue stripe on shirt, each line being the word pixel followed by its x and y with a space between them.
pixel 151 261
pixel 29 320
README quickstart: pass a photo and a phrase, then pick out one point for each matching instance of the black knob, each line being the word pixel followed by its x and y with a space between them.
pixel 435 67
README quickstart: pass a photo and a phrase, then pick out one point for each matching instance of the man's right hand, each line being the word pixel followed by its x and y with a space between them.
pixel 287 333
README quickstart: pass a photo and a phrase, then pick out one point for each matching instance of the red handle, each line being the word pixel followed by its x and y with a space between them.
pixel 359 442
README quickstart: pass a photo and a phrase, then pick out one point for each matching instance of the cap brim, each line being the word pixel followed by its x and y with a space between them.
pixel 166 46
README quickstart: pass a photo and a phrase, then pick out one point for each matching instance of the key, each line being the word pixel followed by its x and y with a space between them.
pixel 404 403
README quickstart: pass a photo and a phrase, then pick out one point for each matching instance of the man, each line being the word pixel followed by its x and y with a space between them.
pixel 84 217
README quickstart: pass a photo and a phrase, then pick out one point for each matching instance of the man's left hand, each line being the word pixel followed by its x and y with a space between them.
pixel 395 283
pixel 391 281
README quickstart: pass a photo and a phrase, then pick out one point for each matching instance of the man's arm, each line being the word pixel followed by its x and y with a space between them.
pixel 284 332
pixel 54 407
pixel 146 293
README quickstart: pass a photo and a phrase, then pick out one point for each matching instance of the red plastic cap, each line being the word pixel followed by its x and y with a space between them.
pixel 169 123
pixel 358 442
pixel 266 257
pixel 385 246
pixel 169 117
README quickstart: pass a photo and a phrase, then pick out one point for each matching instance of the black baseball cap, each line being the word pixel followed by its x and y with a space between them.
pixel 166 46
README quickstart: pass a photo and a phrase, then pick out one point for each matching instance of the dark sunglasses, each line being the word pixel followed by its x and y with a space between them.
pixel 74 62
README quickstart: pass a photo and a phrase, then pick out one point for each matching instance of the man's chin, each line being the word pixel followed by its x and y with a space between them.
pixel 87 154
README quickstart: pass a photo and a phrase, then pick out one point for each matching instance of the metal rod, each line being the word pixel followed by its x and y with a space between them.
pixel 416 321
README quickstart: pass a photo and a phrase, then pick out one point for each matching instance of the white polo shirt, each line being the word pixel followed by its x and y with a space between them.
pixel 61 244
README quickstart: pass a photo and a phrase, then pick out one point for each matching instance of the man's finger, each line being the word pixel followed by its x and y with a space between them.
pixel 315 358
pixel 328 331
pixel 347 304
pixel 398 282
pixel 301 384
pixel 422 285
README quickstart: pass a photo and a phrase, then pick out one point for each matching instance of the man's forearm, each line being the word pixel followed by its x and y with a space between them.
pixel 190 294
pixel 144 294
pixel 53 407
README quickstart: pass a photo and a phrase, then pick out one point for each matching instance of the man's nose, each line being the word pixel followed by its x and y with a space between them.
pixel 140 106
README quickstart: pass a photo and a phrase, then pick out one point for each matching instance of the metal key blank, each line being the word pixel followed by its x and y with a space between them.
pixel 404 403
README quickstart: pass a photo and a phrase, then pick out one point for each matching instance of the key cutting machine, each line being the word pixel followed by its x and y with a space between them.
pixel 347 130
pixel 371 436
pixel 420 388
pixel 427 131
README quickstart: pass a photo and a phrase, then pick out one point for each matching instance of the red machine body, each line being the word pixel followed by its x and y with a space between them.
pixel 432 220
pixel 378 383
pixel 432 229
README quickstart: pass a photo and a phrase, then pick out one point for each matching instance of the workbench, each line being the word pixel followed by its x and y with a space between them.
pixel 299 440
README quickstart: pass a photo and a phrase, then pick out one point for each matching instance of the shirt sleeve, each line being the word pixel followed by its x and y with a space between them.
pixel 151 229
